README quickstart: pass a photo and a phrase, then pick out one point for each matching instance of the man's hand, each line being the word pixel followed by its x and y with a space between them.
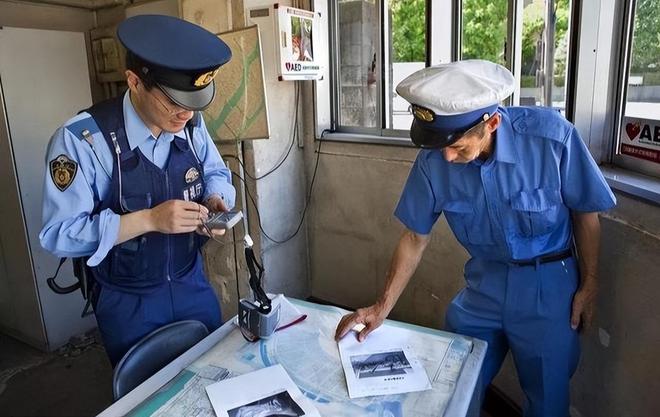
pixel 215 204
pixel 204 231
pixel 584 302
pixel 177 216
pixel 372 317
pixel 586 228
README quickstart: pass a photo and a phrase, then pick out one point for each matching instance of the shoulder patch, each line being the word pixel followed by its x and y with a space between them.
pixel 62 171
pixel 541 122
pixel 84 128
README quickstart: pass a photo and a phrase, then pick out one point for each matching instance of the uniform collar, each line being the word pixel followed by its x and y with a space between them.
pixel 136 131
pixel 505 150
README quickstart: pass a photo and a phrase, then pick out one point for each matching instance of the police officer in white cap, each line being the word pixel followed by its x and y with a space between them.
pixel 131 180
pixel 518 188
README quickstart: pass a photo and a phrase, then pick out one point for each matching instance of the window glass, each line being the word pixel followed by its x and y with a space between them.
pixel 358 65
pixel 484 30
pixel 639 133
pixel 643 96
pixel 407 54
pixel 536 87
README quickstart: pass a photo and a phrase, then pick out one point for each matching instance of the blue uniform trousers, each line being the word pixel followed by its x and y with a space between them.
pixel 526 309
pixel 124 318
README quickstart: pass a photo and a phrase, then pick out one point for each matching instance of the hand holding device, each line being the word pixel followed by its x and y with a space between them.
pixel 223 220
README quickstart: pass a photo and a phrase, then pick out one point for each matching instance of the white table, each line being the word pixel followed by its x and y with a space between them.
pixel 307 352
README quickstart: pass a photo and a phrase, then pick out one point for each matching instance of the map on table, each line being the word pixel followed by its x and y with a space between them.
pixel 310 356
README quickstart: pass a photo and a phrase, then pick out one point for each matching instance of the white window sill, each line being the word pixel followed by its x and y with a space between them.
pixel 638 185
pixel 366 138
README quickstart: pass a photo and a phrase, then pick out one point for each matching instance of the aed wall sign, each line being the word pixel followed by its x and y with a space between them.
pixel 301 50
pixel 640 138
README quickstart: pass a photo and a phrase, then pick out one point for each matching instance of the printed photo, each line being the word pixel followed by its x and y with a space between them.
pixel 277 405
pixel 380 364
pixel 301 39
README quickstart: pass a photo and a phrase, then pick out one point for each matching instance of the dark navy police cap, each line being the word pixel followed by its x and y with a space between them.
pixel 181 57
pixel 449 99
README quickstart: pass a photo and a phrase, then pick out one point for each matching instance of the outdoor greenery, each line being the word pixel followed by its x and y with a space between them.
pixel 484 35
pixel 408 30
pixel 533 25
pixel 646 41
pixel 484 29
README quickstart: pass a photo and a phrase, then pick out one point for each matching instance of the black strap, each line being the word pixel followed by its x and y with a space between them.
pixel 83 282
pixel 190 126
pixel 55 287
pixel 551 257
pixel 255 281
pixel 87 310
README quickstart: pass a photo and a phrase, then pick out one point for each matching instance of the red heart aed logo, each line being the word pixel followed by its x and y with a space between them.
pixel 632 129
pixel 288 66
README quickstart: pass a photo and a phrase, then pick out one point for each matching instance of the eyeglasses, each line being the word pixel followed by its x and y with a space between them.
pixel 168 109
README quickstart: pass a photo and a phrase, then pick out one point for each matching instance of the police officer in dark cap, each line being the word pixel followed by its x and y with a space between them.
pixel 130 182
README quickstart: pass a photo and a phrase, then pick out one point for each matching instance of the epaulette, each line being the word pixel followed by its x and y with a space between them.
pixel 84 128
pixel 542 122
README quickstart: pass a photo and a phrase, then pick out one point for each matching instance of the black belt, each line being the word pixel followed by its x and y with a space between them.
pixel 550 257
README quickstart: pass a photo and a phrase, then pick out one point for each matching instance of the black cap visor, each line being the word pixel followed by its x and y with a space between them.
pixel 191 100
pixel 427 138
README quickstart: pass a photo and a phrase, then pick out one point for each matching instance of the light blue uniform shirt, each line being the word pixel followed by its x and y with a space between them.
pixel 69 229
pixel 516 204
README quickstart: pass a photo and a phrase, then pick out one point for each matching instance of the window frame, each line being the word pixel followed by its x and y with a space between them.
pixel 434 54
pixel 379 134
pixel 624 60
pixel 592 99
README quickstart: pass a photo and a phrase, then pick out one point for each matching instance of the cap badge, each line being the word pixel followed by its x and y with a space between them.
pixel 205 79
pixel 191 175
pixel 423 114
pixel 63 171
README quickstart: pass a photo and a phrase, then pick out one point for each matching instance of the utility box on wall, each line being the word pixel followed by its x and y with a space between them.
pixel 44 80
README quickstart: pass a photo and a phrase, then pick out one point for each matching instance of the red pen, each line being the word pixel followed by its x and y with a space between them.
pixel 296 321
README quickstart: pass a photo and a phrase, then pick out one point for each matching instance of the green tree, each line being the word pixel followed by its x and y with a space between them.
pixel 646 41
pixel 408 30
pixel 533 26
pixel 484 29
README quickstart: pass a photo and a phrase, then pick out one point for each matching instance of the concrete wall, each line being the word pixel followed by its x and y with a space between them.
pixel 353 232
pixel 281 195
pixel 646 93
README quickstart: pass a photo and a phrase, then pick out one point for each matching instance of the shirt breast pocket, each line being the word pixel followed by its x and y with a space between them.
pixel 459 215
pixel 537 211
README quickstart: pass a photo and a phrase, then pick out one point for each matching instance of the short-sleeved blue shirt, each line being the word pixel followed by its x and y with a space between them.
pixel 69 229
pixel 516 204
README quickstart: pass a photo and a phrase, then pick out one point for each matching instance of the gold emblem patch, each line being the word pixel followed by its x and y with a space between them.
pixel 191 175
pixel 205 78
pixel 63 171
pixel 423 114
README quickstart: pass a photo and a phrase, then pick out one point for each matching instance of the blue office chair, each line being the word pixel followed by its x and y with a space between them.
pixel 153 352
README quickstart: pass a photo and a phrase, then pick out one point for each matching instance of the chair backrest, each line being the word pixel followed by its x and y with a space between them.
pixel 153 352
